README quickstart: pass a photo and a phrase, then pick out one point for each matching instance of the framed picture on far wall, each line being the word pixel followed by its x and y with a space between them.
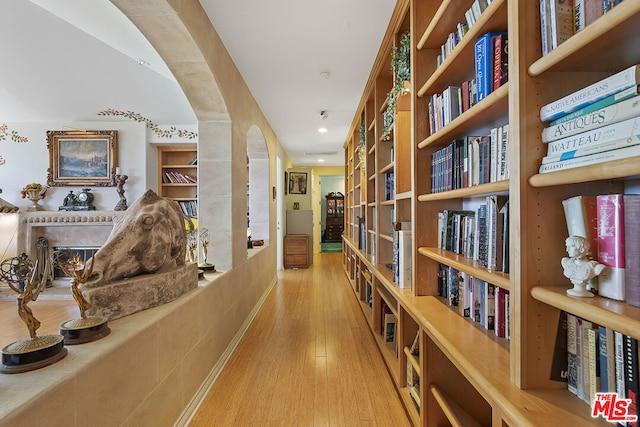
pixel 82 158
pixel 297 183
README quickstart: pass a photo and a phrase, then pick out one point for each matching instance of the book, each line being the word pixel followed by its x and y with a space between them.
pixel 587 11
pixel 597 105
pixel 631 376
pixel 500 315
pixel 545 24
pixel 559 362
pixel 561 21
pixel 610 211
pixel 593 149
pixel 404 257
pixel 606 354
pixel 632 248
pixel 626 132
pixel 572 354
pixel 608 115
pixel 585 363
pixel 594 363
pixel 483 50
pixel 490 306
pixel 500 60
pixel 591 159
pixel 618 339
pixel 594 92
pixel 581 216
pixel 464 295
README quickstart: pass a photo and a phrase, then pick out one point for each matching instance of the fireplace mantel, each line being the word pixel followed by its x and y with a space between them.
pixel 62 228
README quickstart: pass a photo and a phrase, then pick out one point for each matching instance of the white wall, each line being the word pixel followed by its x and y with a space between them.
pixel 28 162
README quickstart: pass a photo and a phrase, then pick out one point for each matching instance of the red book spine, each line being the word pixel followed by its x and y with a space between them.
pixel 497 60
pixel 611 245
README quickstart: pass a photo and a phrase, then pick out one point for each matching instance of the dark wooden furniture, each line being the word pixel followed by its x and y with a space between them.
pixel 334 222
pixel 296 251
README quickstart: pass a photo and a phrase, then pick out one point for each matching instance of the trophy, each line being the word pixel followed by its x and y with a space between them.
pixel 204 241
pixel 86 328
pixel 37 351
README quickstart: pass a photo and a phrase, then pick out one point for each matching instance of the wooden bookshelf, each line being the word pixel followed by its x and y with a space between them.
pixel 179 162
pixel 468 376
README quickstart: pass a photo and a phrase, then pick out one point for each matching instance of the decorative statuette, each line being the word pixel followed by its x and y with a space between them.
pixel 86 328
pixel 578 268
pixel 34 192
pixel 120 180
pixel 204 241
pixel 34 352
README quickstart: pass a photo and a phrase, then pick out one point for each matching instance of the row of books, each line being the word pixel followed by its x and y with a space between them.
pixel 600 360
pixel 476 299
pixel 189 207
pixel 611 224
pixel 481 235
pixel 471 17
pixel 470 161
pixel 173 177
pixel 389 186
pixel 598 123
pixel 491 71
pixel 413 384
pixel 194 160
pixel 561 19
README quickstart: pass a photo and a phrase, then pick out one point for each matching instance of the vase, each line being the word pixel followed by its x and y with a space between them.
pixel 34 197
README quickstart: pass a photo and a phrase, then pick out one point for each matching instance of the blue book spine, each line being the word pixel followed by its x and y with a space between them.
pixel 484 64
pixel 602 351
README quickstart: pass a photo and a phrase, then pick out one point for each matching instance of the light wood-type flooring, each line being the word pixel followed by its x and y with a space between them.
pixel 308 359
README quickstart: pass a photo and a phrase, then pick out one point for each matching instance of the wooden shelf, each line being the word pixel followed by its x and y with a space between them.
pixel 500 187
pixel 608 37
pixel 479 119
pixel 455 69
pixel 467 265
pixel 616 169
pixel 456 415
pixel 604 311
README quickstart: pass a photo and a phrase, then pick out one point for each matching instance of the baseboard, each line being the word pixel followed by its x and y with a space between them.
pixel 191 409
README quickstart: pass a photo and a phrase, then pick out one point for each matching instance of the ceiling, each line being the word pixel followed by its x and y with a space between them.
pixel 70 59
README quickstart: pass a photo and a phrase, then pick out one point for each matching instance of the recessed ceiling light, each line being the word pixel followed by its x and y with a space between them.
pixel 323 130
pixel 320 160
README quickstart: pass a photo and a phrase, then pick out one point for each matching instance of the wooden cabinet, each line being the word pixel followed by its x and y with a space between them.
pixel 466 374
pixel 296 251
pixel 178 176
pixel 334 221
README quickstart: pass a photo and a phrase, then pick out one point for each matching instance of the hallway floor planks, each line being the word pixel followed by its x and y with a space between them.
pixel 308 359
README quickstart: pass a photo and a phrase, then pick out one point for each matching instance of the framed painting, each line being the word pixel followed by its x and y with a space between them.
pixel 82 158
pixel 297 183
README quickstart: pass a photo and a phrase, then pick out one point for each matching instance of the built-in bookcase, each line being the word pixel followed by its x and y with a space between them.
pixel 468 375
pixel 178 176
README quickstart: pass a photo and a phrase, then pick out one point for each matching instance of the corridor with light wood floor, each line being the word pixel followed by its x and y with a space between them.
pixel 308 359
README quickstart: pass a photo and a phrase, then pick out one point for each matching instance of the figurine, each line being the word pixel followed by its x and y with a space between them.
pixel 578 267
pixel 120 181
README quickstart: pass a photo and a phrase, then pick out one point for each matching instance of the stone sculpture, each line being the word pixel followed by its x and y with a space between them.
pixel 142 263
pixel 578 267
pixel 148 238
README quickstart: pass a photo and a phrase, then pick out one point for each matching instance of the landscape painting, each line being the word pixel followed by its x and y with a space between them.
pixel 82 158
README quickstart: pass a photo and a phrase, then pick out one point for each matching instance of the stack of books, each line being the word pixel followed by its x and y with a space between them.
pixel 598 123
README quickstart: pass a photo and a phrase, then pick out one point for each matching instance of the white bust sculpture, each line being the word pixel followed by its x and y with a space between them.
pixel 578 268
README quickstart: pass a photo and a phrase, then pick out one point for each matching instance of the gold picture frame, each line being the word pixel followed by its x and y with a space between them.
pixel 82 158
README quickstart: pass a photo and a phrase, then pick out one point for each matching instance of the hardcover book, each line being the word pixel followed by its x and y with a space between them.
pixel 631 376
pixel 592 159
pixel 595 92
pixel 572 354
pixel 632 248
pixel 561 21
pixel 500 60
pixel 627 130
pixel 597 105
pixel 484 64
pixel 611 250
pixel 602 117
pixel 582 220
